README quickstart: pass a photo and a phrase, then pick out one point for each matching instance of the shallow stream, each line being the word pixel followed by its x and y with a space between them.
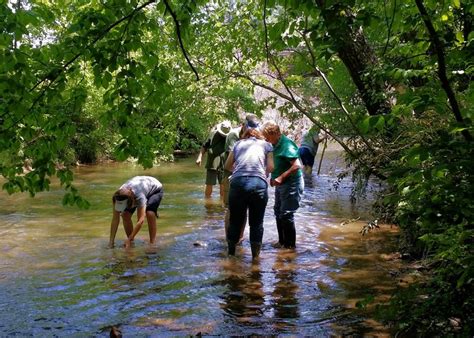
pixel 57 276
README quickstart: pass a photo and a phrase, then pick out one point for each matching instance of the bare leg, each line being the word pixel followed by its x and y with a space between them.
pixel 127 223
pixel 221 191
pixel 151 219
pixel 208 191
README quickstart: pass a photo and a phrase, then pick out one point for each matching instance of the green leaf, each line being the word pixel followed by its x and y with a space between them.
pixel 364 125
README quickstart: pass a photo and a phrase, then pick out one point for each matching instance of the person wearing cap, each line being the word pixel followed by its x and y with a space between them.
pixel 287 179
pixel 233 136
pixel 309 148
pixel 250 161
pixel 214 146
pixel 141 193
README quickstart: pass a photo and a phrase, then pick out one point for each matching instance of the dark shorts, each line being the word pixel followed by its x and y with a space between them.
pixel 306 157
pixel 152 203
pixel 213 176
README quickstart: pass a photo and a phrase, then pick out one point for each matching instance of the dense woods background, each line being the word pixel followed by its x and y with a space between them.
pixel 391 81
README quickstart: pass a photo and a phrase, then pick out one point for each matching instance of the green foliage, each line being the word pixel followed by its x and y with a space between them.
pixel 82 80
pixel 90 80
pixel 434 208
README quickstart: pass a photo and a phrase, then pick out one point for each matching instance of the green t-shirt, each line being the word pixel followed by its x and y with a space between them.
pixel 232 137
pixel 284 152
pixel 309 141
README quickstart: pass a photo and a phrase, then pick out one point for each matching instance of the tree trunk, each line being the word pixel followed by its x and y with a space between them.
pixel 357 55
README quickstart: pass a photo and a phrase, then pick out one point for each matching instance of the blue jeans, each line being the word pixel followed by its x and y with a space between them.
pixel 287 199
pixel 247 193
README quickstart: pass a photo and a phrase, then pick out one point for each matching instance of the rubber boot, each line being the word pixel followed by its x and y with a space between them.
pixel 281 232
pixel 255 247
pixel 231 248
pixel 289 233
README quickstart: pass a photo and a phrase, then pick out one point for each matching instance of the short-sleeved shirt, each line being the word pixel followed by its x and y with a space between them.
pixel 308 141
pixel 284 152
pixel 232 137
pixel 250 158
pixel 215 147
pixel 143 187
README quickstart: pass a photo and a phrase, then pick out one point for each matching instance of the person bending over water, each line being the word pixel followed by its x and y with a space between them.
pixel 141 193
pixel 309 148
pixel 250 161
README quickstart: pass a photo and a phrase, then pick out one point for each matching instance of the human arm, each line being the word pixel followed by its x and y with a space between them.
pixel 270 163
pixel 113 227
pixel 320 137
pixel 229 163
pixel 199 158
pixel 295 165
pixel 141 212
pixel 206 147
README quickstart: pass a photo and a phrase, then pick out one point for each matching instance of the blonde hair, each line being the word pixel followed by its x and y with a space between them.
pixel 271 128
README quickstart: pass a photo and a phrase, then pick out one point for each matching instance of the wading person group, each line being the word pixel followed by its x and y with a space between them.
pixel 244 161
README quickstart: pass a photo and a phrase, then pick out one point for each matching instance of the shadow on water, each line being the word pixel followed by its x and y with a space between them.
pixel 57 276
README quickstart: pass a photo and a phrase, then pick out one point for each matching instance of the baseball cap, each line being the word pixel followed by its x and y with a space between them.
pixel 251 121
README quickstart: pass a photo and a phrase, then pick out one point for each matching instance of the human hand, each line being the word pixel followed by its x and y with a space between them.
pixel 275 182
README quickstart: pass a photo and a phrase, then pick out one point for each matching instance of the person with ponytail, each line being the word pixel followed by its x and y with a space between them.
pixel 250 161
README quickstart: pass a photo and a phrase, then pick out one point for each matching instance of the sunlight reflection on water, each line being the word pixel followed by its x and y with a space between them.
pixel 57 277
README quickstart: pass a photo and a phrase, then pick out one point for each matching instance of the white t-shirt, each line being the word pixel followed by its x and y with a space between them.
pixel 143 187
pixel 250 157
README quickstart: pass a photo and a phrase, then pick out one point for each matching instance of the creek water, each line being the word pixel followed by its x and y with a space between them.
pixel 58 278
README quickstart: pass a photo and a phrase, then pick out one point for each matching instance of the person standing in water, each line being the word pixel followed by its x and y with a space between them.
pixel 214 146
pixel 233 136
pixel 250 162
pixel 231 139
pixel 141 193
pixel 288 182
pixel 309 148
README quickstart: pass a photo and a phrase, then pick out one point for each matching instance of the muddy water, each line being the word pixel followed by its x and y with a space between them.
pixel 57 276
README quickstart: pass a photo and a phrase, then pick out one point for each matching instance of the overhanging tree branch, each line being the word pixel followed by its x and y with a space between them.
pixel 309 116
pixel 442 67
pixel 267 50
pixel 178 33
pixel 333 92
pixel 270 58
pixel 52 76
pixel 389 25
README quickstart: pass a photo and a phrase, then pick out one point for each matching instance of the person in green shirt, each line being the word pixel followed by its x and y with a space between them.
pixel 309 148
pixel 287 178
